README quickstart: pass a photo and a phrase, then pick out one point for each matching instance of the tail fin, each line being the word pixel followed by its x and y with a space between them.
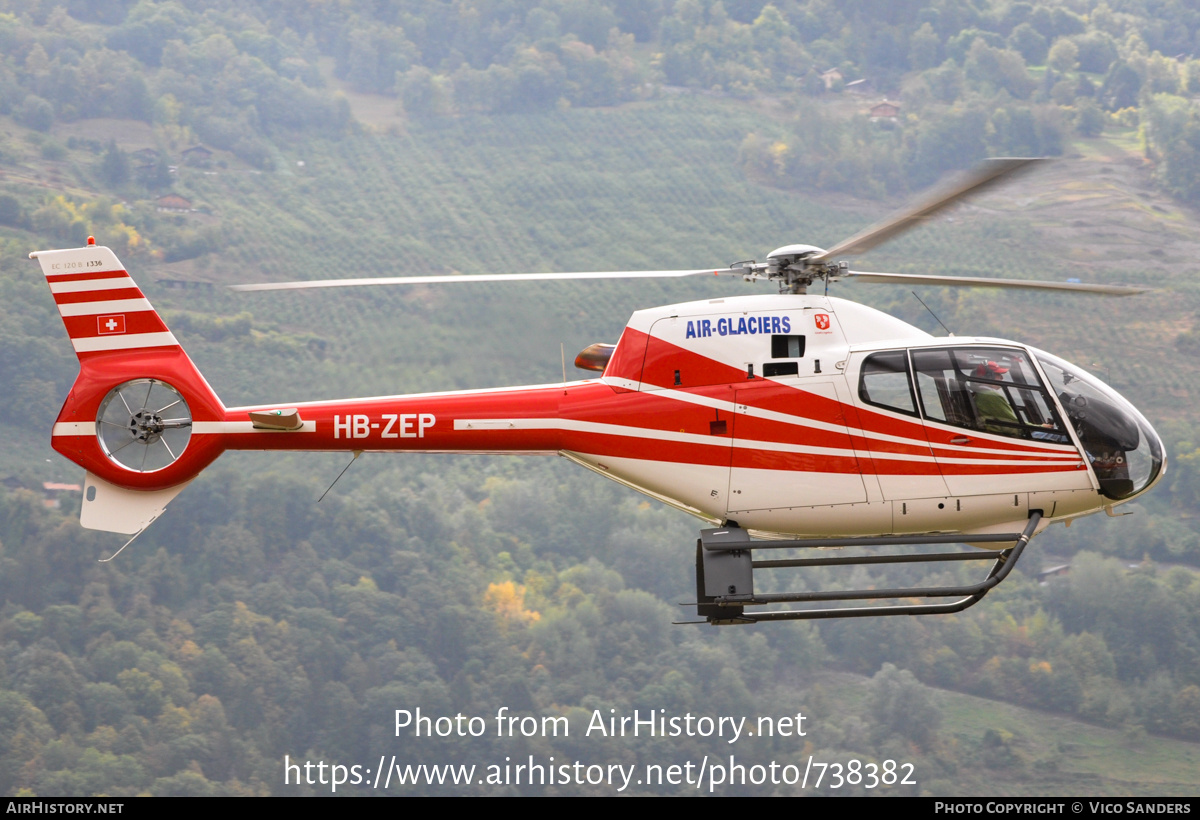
pixel 131 417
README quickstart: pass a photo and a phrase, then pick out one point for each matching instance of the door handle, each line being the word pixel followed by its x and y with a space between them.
pixel 960 440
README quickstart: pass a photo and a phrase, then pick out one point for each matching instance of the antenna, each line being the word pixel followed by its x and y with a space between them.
pixel 357 453
pixel 135 535
pixel 931 313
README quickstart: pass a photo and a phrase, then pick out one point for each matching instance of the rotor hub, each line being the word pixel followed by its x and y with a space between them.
pixel 146 426
pixel 790 265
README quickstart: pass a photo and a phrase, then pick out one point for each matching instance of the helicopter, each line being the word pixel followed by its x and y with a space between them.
pixel 791 421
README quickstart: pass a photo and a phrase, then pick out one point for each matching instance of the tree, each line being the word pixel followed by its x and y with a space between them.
pixel 1089 119
pixel 1121 87
pixel 1031 45
pixel 924 48
pixel 1064 56
pixel 11 212
pixel 159 177
pixel 901 705
pixel 986 67
pixel 114 165
pixel 1096 52
pixel 36 113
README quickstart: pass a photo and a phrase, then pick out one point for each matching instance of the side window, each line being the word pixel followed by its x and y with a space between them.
pixel 943 397
pixel 884 382
pixel 991 390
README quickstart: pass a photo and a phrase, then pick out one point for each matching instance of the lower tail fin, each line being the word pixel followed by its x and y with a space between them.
pixel 134 418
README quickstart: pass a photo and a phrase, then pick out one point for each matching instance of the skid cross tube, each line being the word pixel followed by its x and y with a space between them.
pixel 916 558
pixel 725 583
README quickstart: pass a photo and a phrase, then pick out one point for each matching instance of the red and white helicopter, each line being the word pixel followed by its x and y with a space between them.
pixel 804 419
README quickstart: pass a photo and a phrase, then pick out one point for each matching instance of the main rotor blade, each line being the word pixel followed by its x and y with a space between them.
pixel 984 175
pixel 484 277
pixel 988 282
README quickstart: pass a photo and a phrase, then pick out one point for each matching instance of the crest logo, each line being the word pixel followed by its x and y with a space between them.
pixel 822 320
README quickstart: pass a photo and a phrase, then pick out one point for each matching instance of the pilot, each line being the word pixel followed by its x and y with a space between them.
pixel 995 413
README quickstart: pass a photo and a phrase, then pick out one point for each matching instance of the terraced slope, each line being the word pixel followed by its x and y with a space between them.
pixel 652 186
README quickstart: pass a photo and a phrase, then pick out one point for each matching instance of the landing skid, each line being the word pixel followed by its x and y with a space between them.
pixel 725 575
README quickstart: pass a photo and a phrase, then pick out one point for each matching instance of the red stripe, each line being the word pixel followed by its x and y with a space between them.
pixel 804 405
pixel 796 401
pixel 887 466
pixel 143 321
pixel 871 445
pixel 84 355
pixel 97 296
pixel 943 453
pixel 998 469
pixel 599 403
pixel 662 359
pixel 874 422
pixel 866 445
pixel 627 359
pixel 648 411
pixel 794 462
pixel 80 277
pixel 938 436
pixel 940 439
pixel 750 428
pixel 715 455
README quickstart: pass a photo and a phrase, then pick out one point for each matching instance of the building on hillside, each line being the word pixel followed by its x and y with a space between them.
pixel 54 492
pixel 197 155
pixel 884 111
pixel 832 78
pixel 173 204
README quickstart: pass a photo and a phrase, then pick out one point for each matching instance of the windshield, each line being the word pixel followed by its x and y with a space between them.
pixel 1122 447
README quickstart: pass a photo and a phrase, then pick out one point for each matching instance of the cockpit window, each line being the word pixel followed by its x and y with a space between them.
pixel 884 382
pixel 1121 446
pixel 991 390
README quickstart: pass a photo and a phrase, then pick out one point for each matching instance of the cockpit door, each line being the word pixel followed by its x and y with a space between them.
pixel 992 426
pixel 890 428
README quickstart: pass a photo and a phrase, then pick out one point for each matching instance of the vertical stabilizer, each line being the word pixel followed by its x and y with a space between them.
pixel 128 419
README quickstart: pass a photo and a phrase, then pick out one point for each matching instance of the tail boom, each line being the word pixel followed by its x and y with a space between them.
pixel 505 420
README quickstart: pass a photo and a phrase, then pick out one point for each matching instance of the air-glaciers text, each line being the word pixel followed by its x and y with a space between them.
pixel 736 326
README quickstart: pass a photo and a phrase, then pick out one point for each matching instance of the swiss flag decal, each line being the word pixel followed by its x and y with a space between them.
pixel 114 323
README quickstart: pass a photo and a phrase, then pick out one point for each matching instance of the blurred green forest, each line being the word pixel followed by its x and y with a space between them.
pixel 357 139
